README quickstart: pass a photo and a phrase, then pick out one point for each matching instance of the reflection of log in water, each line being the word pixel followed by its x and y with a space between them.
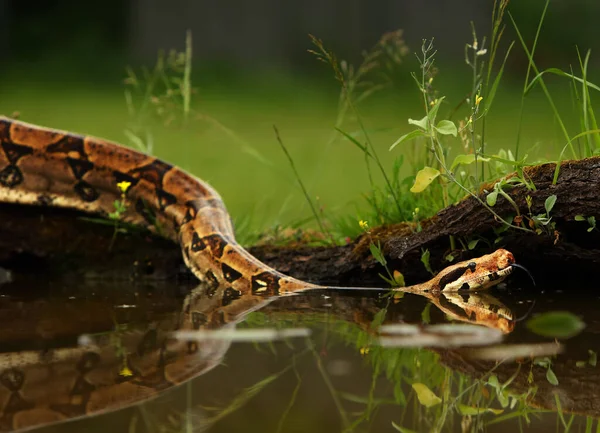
pixel 578 388
pixel 57 241
pixel 575 368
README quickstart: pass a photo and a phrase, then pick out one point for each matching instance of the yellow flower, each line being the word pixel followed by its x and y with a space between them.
pixel 363 224
pixel 126 372
pixel 364 351
pixel 478 99
pixel 124 186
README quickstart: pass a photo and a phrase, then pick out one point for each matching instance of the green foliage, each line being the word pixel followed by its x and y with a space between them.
pixel 591 220
pixel 556 324
pixel 546 363
pixel 425 255
pixel 426 396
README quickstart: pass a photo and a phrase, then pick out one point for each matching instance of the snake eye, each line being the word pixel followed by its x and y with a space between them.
pixel 472 266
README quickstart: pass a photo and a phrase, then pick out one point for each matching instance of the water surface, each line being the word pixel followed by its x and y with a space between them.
pixel 319 361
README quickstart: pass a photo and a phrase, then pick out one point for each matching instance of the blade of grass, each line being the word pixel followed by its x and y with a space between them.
pixel 529 66
pixel 557 169
pixel 589 117
pixel 186 85
pixel 304 191
pixel 561 73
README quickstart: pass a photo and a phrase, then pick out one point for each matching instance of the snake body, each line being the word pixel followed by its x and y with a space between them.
pixel 47 167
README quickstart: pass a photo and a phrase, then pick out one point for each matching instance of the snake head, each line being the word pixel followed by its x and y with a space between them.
pixel 476 274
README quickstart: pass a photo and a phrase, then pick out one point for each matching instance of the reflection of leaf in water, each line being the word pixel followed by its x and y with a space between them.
pixel 292 401
pixel 402 429
pixel 399 394
pixel 246 395
pixel 426 314
pixel 556 324
pixel 551 377
pixel 426 396
pixel 470 410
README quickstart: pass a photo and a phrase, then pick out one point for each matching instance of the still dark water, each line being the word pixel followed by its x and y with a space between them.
pixel 319 362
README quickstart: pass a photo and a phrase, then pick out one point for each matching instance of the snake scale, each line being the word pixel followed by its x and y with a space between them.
pixel 47 167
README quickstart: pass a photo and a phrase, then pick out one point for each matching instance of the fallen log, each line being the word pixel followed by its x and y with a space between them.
pixel 59 242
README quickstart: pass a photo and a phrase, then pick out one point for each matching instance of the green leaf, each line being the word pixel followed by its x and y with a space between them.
pixel 426 396
pixel 490 97
pixel 556 324
pixel 398 279
pixel 402 429
pixel 425 260
pixel 491 198
pixel 449 258
pixel 446 127
pixel 420 123
pixel 549 203
pixel 398 393
pixel 579 218
pixel 551 377
pixel 472 244
pixel 424 177
pixel 466 159
pixel 470 410
pixel 377 253
pixel 593 358
pixel 406 137
pixel 502 398
pixel 426 314
pixel 462 159
pixel 493 382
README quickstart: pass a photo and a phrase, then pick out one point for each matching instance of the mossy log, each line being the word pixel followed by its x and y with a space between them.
pixel 60 242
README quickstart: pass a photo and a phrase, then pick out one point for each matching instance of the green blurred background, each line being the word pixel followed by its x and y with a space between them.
pixel 63 66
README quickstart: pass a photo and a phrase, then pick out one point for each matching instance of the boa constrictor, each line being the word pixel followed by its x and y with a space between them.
pixel 40 166
pixel 53 168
